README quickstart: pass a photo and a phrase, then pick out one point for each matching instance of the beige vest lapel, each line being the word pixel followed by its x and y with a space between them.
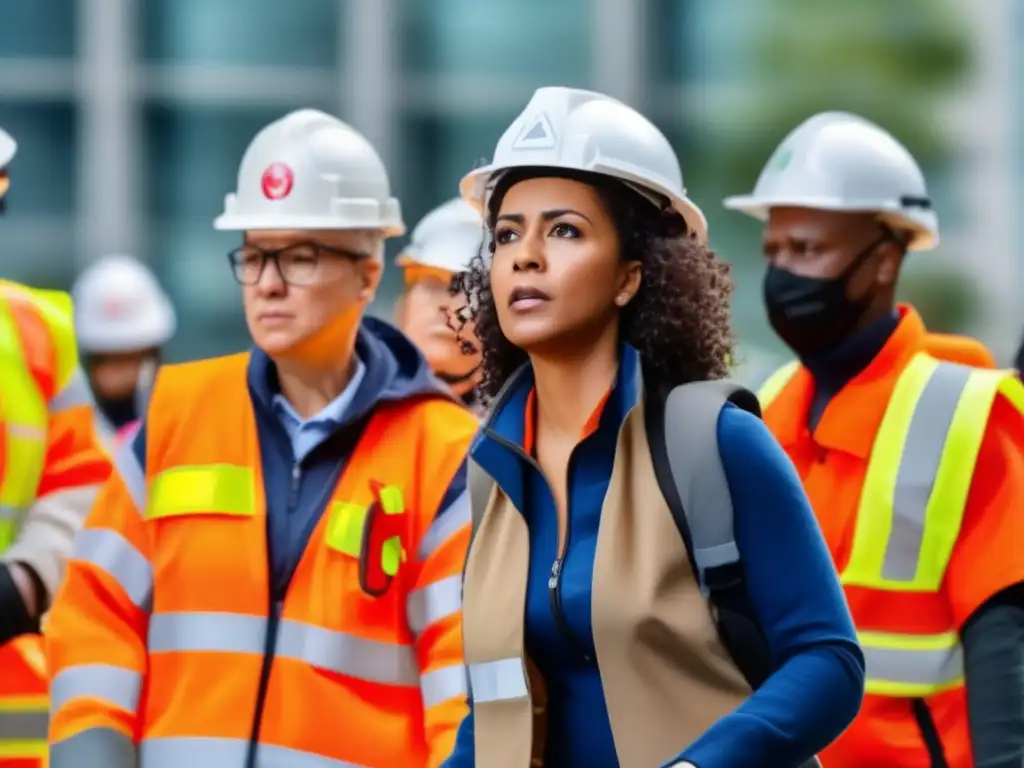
pixel 666 677
pixel 494 600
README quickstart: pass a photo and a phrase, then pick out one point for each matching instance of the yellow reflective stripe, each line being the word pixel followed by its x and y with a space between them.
pixel 918 477
pixel 8 526
pixel 35 703
pixel 24 748
pixel 912 665
pixel 24 419
pixel 775 383
pixel 222 489
pixel 345 528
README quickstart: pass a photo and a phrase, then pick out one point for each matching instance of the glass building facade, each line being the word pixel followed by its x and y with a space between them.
pixel 132 115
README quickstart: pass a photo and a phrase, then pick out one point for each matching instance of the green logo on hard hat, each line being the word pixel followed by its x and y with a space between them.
pixel 781 159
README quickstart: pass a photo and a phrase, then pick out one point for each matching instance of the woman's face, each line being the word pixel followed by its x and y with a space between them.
pixel 557 277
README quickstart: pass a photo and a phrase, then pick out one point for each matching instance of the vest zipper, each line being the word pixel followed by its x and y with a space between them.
pixel 555 588
pixel 555 579
pixel 270 643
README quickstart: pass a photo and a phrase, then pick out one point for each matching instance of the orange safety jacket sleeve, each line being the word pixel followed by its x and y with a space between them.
pixel 75 467
pixel 434 613
pixel 988 556
pixel 95 631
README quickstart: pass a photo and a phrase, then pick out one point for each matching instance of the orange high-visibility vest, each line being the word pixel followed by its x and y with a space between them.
pixel 39 380
pixel 908 498
pixel 172 657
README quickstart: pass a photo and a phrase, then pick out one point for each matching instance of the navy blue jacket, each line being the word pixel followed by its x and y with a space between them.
pixel 818 682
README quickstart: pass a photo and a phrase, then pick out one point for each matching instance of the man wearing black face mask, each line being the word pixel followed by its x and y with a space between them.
pixel 914 464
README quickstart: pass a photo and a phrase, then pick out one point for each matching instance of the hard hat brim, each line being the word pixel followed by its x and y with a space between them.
pixel 233 223
pixel 923 238
pixel 475 185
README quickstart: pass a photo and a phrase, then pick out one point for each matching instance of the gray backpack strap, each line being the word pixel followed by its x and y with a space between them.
pixel 691 442
pixel 480 485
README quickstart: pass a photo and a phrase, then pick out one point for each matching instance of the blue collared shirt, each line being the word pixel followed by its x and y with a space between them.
pixel 307 434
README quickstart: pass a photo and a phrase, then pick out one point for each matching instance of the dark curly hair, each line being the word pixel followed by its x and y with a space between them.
pixel 679 319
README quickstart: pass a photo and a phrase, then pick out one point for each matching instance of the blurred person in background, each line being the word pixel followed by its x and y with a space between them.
pixel 123 318
pixel 272 575
pixel 51 467
pixel 441 247
pixel 914 465
pixel 590 638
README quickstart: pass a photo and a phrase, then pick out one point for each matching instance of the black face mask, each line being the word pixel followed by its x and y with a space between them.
pixel 812 314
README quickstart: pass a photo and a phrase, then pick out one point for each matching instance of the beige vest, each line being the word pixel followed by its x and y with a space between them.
pixel 665 674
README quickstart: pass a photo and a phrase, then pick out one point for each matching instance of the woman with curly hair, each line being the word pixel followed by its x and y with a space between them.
pixel 587 638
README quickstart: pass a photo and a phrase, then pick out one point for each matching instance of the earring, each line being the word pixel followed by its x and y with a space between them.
pixel 621 299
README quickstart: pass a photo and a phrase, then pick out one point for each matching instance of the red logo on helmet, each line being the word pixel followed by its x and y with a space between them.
pixel 277 181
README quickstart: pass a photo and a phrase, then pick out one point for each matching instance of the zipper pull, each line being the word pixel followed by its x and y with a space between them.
pixel 556 568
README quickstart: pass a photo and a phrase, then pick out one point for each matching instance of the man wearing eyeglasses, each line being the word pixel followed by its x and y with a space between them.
pixel 272 575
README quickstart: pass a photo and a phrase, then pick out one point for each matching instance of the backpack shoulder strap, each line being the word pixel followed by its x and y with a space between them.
pixel 691 444
pixel 682 431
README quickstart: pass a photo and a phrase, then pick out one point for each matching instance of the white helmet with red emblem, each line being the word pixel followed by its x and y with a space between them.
pixel 120 307
pixel 309 170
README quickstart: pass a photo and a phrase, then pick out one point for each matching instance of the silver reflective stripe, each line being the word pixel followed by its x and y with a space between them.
pixel 75 393
pixel 9 513
pixel 94 748
pixel 446 524
pixel 434 602
pixel 919 466
pixel 115 685
pixel 369 660
pixel 498 680
pixel 940 667
pixel 443 684
pixel 198 752
pixel 18 726
pixel 132 475
pixel 112 553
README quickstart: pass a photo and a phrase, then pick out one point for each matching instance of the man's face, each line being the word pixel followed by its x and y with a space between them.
pixel 433 319
pixel 114 376
pixel 321 295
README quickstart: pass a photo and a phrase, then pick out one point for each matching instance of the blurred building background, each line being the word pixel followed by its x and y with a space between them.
pixel 132 116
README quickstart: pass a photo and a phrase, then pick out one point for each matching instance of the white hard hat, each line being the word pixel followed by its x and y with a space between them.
pixel 310 170
pixel 8 148
pixel 120 307
pixel 580 130
pixel 446 238
pixel 836 161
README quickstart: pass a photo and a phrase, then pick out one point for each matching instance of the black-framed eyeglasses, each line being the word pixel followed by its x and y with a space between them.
pixel 296 264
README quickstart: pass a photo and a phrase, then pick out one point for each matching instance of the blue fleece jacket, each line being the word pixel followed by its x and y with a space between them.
pixel 818 679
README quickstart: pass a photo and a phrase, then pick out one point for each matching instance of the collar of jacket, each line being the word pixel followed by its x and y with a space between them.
pixel 852 417
pixel 395 370
pixel 499 444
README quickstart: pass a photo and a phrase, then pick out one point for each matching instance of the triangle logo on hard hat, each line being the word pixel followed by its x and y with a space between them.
pixel 537 133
